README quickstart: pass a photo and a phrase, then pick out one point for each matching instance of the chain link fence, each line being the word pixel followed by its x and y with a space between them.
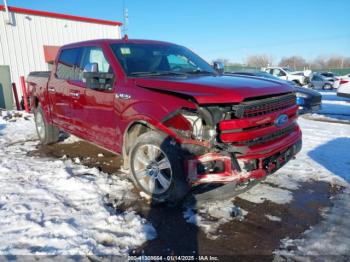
pixel 339 71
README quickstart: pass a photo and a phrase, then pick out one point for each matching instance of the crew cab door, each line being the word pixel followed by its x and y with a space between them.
pixel 100 117
pixel 65 73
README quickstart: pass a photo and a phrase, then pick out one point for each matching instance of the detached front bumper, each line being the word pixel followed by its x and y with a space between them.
pixel 256 164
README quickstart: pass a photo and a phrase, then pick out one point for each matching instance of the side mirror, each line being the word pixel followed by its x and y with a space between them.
pixel 219 67
pixel 98 81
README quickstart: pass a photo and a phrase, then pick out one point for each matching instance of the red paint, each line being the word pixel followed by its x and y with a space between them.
pixel 25 96
pixel 103 118
pixel 213 89
pixel 227 175
pixel 15 95
pixel 60 16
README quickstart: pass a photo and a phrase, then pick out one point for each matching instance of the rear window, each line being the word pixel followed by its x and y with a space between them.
pixel 328 74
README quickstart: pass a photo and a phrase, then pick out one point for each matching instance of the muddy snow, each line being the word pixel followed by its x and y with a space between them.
pixel 50 206
pixel 57 206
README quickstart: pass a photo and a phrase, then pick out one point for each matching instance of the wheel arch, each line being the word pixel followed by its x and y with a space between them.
pixel 134 130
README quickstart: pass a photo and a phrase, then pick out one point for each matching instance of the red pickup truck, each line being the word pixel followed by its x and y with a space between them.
pixel 177 121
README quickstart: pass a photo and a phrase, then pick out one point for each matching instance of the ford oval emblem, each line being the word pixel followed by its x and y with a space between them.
pixel 281 120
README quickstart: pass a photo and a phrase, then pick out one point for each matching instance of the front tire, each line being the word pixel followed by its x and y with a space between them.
pixel 327 87
pixel 48 134
pixel 157 167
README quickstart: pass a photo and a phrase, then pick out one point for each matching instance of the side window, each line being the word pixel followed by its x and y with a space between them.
pixel 316 78
pixel 67 65
pixel 276 72
pixel 282 73
pixel 95 56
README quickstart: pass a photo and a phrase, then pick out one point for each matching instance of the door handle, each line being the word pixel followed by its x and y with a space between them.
pixel 74 94
pixel 51 89
pixel 123 96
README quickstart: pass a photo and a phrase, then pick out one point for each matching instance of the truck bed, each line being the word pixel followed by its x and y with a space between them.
pixel 45 74
pixel 37 85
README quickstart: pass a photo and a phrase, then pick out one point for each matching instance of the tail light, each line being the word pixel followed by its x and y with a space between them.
pixel 342 82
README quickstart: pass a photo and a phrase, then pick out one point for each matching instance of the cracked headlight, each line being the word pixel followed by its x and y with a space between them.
pixel 190 124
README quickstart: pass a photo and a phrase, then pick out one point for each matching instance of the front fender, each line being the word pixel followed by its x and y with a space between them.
pixel 145 111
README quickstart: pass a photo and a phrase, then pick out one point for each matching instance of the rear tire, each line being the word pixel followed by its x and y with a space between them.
pixel 157 167
pixel 48 134
pixel 327 87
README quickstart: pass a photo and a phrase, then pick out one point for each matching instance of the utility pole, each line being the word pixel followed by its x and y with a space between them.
pixel 8 20
pixel 125 19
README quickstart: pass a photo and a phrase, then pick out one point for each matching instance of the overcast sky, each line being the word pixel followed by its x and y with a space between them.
pixel 230 29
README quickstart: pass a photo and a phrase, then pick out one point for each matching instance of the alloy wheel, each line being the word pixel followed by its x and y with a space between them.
pixel 152 169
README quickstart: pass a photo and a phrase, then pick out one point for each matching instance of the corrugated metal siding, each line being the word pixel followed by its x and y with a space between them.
pixel 21 44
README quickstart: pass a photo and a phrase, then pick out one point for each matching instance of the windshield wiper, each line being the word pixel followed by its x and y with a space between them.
pixel 200 72
pixel 157 73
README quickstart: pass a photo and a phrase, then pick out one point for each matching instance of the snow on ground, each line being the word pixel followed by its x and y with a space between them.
pixel 50 206
pixel 333 107
pixel 331 237
pixel 263 192
pixel 324 157
pixel 273 218
pixel 213 214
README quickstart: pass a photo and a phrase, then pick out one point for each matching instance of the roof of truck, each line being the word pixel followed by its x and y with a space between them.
pixel 116 41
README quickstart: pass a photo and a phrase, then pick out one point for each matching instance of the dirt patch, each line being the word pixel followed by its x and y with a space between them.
pixel 256 236
pixel 87 154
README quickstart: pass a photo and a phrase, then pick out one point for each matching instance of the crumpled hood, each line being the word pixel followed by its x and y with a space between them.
pixel 215 89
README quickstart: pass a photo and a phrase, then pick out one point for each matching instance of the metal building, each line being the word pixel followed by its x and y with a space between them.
pixel 29 39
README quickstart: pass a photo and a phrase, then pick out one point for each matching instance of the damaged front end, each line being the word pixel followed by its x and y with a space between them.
pixel 239 142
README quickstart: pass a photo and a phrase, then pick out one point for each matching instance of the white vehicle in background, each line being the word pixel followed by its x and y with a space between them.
pixel 286 74
pixel 344 88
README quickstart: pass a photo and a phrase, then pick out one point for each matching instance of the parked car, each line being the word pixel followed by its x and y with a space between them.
pixel 176 121
pixel 344 88
pixel 285 73
pixel 319 81
pixel 309 101
pixel 332 77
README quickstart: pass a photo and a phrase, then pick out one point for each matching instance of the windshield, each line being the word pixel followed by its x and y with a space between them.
pixel 159 59
pixel 287 69
pixel 328 74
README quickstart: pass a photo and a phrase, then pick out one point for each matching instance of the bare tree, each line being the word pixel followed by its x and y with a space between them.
pixel 293 61
pixel 346 62
pixel 259 60
pixel 335 62
pixel 318 63
pixel 225 61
